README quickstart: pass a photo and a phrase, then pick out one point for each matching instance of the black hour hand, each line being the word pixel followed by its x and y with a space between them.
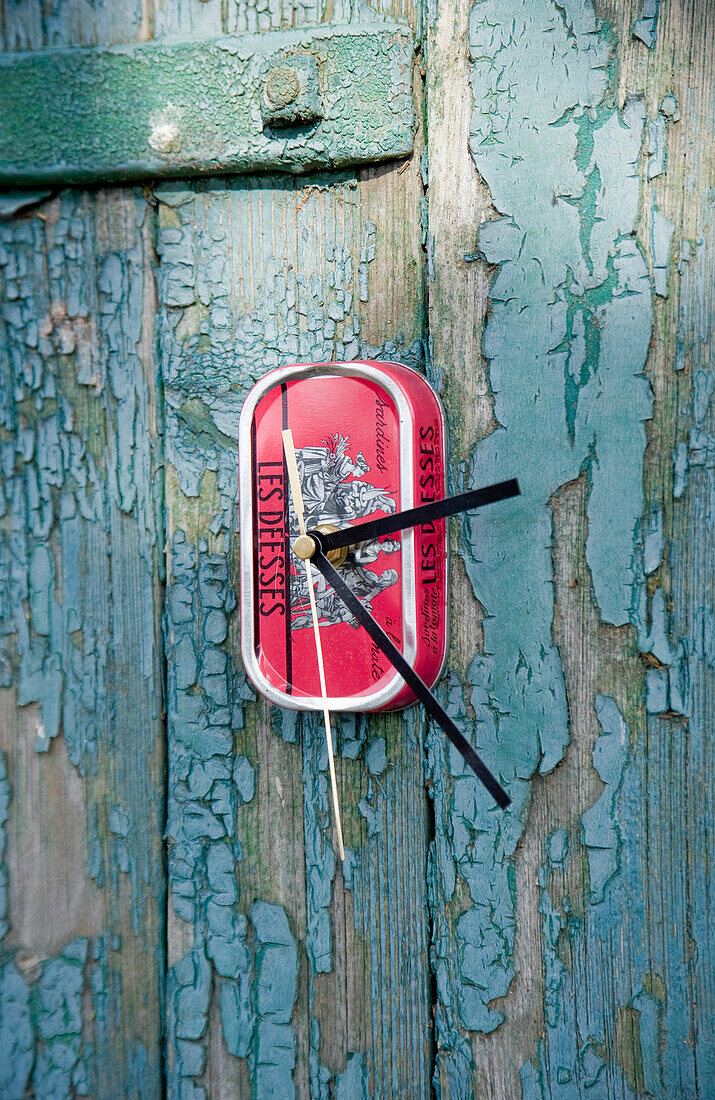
pixel 415 682
pixel 414 517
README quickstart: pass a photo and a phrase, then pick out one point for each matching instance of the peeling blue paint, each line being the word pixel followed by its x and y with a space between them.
pixel 275 992
pixel 657 147
pixel 353 734
pixel 291 318
pixel 320 1076
pixel 16 202
pixel 557 848
pixel 320 859
pixel 16 1027
pixel 351 1084
pixel 670 107
pixel 16 1031
pixel 376 756
pixel 188 989
pixel 681 464
pixel 693 349
pixel 208 787
pixel 59 1068
pixel 4 810
pixel 656 641
pixel 105 985
pixel 656 691
pixel 658 135
pixel 566 338
pixel 653 539
pixel 636 1042
pixel 661 239
pixel 646 27
pixel 56 453
pixel 78 559
pixel 600 836
pixel 474 963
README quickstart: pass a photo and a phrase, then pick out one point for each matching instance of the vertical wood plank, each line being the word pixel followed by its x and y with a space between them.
pixel 311 978
pixel 571 171
pixel 80 597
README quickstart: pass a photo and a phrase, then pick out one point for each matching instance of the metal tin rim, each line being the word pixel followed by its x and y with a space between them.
pixel 379 699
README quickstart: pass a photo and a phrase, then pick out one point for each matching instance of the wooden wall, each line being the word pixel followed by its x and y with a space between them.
pixel 172 911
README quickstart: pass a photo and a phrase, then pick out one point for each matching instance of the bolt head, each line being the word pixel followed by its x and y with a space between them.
pixel 282 86
pixel 289 91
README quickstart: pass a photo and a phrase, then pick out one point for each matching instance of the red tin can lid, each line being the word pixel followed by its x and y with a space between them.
pixel 369 440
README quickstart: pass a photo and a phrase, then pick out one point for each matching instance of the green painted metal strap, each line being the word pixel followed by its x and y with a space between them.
pixel 288 101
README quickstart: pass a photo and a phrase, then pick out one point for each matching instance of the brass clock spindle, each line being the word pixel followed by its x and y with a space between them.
pixel 294 479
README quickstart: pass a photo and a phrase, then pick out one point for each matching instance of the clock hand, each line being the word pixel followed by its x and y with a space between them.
pixel 294 479
pixel 408 674
pixel 413 517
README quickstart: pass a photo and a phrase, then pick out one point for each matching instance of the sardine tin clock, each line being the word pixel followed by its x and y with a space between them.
pixel 342 470
pixel 370 441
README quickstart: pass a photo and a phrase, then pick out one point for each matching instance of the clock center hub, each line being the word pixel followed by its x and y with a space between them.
pixel 304 546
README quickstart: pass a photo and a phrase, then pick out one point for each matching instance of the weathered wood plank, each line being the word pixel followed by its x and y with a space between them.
pixel 80 600
pixel 34 25
pixel 81 729
pixel 571 945
pixel 577 980
pixel 316 977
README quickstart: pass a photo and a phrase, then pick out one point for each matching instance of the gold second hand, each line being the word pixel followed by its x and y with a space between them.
pixel 294 479
pixel 326 712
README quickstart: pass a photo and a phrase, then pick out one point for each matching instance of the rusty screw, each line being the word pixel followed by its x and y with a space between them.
pixel 282 86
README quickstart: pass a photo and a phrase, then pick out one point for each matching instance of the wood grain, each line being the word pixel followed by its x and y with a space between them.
pixel 82 731
pixel 580 936
pixel 562 951
pixel 255 274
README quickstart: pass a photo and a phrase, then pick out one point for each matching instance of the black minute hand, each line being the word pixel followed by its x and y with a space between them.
pixel 408 674
pixel 414 517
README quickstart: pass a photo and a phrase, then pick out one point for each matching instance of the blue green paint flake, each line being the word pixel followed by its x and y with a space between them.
pixel 204 801
pixel 646 28
pixel 661 239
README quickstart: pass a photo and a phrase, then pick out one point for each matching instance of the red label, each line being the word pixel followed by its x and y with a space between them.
pixel 346 435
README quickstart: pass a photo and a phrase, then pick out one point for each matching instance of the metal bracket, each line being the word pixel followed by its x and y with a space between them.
pixel 287 101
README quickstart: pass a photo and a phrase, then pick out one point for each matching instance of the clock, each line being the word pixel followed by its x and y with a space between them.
pixel 343 541
pixel 369 441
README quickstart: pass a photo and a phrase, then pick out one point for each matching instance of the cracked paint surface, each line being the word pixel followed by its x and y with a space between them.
pixel 614 991
pixel 201 106
pixel 567 267
pixel 207 790
pixel 307 271
pixel 41 1023
pixel 566 340
pixel 78 569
